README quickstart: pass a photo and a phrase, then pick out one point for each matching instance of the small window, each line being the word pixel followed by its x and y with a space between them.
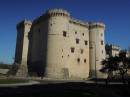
pixel 72 50
pixel 64 33
pixel 102 42
pixel 86 42
pixel 84 60
pixel 75 32
pixel 81 51
pixel 77 41
pixel 83 34
pixel 78 60
pixel 62 56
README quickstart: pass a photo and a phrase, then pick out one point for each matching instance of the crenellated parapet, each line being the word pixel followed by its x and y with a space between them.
pixel 96 25
pixel 78 22
pixel 51 13
pixel 24 22
pixel 57 12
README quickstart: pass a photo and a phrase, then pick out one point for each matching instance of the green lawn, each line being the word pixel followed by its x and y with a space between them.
pixel 12 81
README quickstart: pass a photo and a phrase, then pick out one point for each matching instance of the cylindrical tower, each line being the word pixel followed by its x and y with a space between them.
pixel 97 48
pixel 58 23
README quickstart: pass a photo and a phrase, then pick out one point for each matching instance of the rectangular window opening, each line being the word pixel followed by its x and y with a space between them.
pixel 78 60
pixel 86 42
pixel 77 41
pixel 84 60
pixel 64 33
pixel 82 51
pixel 72 50
pixel 102 42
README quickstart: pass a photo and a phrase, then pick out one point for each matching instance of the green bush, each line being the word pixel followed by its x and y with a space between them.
pixel 5 66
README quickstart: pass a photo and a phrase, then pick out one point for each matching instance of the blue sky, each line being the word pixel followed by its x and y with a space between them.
pixel 114 13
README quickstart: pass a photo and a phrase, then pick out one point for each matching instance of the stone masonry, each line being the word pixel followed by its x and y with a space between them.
pixel 55 45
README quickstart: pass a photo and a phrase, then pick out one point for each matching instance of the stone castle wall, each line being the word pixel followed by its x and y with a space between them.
pixel 112 50
pixel 61 47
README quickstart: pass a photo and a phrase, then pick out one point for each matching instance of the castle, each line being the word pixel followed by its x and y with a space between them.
pixel 57 46
pixel 114 50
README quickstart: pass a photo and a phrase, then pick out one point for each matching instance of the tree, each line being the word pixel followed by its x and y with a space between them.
pixel 119 63
pixel 5 66
pixel 109 65
pixel 124 65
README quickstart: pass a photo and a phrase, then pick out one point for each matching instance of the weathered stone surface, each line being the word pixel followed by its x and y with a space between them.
pixel 57 46
pixel 18 70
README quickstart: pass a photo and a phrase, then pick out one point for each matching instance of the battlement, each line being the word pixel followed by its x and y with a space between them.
pixel 81 23
pixel 51 12
pixel 24 22
pixel 113 47
pixel 57 12
pixel 96 25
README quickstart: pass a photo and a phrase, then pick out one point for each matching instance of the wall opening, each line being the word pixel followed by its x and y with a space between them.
pixel 102 42
pixel 77 41
pixel 82 51
pixel 72 49
pixel 78 60
pixel 86 42
pixel 64 33
pixel 84 60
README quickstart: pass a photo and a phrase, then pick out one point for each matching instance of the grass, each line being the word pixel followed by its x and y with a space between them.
pixel 12 81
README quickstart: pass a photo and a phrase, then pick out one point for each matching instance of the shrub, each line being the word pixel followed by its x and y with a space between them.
pixel 5 66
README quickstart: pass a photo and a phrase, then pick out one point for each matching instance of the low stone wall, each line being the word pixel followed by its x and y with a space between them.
pixel 4 71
